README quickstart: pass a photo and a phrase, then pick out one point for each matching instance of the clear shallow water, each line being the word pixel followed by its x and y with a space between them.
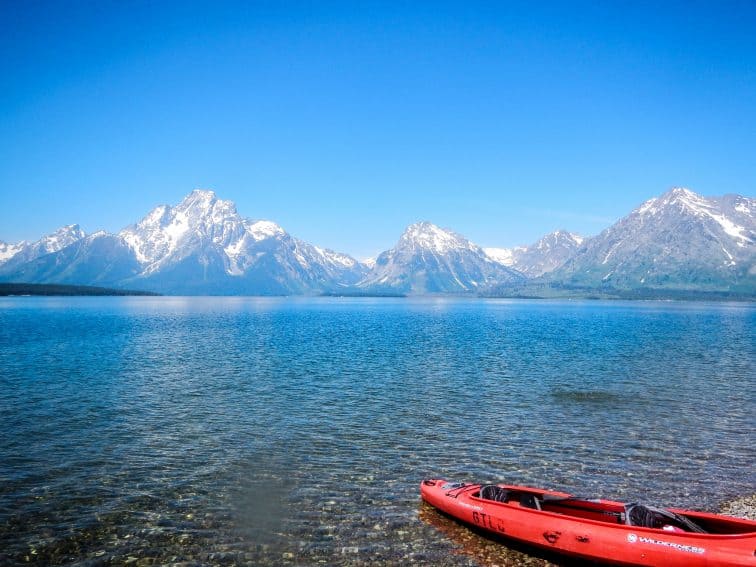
pixel 286 431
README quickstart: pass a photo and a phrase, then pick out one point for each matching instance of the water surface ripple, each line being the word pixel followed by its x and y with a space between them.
pixel 296 431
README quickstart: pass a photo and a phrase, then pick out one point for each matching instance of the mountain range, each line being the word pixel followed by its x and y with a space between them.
pixel 679 241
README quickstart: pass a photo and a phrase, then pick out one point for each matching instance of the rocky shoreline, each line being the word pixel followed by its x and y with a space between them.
pixel 744 507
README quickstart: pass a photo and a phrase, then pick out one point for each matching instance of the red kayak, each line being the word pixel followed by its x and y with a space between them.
pixel 599 530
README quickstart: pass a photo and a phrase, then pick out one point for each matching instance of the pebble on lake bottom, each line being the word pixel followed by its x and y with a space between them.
pixel 744 507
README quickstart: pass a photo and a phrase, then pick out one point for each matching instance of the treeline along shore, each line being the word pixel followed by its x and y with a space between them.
pixel 9 289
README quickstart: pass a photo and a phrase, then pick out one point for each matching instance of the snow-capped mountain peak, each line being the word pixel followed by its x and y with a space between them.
pixel 558 238
pixel 203 229
pixel 26 251
pixel 679 196
pixel 550 252
pixel 431 237
pixel 685 202
pixel 677 239
pixel 61 238
pixel 429 259
pixel 198 218
pixel 198 196
pixel 204 204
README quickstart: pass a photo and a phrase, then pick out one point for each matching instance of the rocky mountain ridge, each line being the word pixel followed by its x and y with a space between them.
pixel 202 245
pixel 22 252
pixel 678 240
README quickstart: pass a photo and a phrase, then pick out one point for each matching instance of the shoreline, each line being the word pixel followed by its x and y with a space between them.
pixel 742 507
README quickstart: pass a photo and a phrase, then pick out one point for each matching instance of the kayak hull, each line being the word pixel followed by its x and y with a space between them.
pixel 594 529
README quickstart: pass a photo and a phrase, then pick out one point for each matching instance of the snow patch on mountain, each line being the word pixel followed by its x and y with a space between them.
pixel 7 251
pixel 504 256
pixel 262 229
pixel 335 258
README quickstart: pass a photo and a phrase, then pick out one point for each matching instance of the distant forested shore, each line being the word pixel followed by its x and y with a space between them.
pixel 528 291
pixel 7 289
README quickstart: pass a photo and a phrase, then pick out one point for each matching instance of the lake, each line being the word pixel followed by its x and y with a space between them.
pixel 158 430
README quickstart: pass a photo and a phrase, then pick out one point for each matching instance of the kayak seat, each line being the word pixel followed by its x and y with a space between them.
pixel 495 493
pixel 530 501
pixel 499 494
pixel 650 517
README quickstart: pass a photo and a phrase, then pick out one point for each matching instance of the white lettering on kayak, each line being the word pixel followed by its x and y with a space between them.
pixel 632 538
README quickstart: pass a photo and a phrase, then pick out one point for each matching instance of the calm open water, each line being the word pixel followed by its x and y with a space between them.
pixel 296 431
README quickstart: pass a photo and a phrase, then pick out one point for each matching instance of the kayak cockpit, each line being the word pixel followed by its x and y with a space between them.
pixel 585 509
pixel 605 511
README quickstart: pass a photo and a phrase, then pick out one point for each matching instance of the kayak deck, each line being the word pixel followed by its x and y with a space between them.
pixel 604 530
pixel 598 510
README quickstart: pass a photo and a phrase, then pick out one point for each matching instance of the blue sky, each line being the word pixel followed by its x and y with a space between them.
pixel 344 122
